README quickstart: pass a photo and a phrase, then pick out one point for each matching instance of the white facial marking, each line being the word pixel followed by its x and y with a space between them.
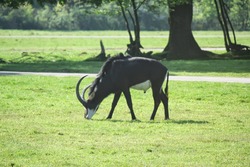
pixel 142 86
pixel 91 112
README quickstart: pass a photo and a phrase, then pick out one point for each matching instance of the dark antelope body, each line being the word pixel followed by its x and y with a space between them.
pixel 118 75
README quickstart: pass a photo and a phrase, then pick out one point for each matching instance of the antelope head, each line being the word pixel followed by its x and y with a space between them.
pixel 91 104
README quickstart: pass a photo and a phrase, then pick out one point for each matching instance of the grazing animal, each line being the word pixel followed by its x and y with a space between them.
pixel 118 75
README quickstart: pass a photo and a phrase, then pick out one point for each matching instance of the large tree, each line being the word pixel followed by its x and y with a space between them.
pixel 181 43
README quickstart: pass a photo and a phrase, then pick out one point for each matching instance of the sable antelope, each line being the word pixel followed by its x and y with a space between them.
pixel 118 75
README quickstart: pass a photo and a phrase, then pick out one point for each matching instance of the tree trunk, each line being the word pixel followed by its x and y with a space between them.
pixel 133 48
pixel 224 20
pixel 181 43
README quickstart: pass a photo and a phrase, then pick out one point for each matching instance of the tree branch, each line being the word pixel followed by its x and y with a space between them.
pixel 126 21
pixel 141 4
pixel 223 13
pixel 137 24
pixel 217 4
pixel 229 21
pixel 133 21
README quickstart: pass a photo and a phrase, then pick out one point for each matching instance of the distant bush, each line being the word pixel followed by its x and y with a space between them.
pixel 75 17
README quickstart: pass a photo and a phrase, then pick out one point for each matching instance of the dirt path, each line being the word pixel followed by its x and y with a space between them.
pixel 174 78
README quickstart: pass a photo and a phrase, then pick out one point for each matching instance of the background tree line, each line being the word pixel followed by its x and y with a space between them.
pixel 74 16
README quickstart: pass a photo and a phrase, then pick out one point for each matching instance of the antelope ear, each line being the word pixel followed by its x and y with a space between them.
pixel 92 95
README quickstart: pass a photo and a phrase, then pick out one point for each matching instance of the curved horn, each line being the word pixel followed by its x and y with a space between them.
pixel 81 100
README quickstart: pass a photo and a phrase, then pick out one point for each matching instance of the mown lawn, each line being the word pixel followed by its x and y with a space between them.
pixel 42 124
pixel 117 39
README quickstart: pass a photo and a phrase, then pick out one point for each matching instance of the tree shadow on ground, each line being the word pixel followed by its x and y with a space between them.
pixel 81 66
pixel 209 66
pixel 189 122
pixel 155 121
pixel 57 66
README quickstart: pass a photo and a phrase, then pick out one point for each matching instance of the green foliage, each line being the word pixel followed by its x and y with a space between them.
pixel 42 124
pixel 77 15
pixel 240 13
pixel 173 3
pixel 74 17
pixel 17 3
pixel 205 15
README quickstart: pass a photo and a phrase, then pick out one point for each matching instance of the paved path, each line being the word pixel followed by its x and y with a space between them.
pixel 174 78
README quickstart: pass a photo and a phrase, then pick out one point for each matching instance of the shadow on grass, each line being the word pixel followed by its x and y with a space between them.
pixel 8 74
pixel 155 122
pixel 188 122
pixel 66 65
pixel 207 66
pixel 58 66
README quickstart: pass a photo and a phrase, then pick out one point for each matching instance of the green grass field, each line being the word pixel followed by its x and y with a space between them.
pixel 58 51
pixel 88 41
pixel 42 124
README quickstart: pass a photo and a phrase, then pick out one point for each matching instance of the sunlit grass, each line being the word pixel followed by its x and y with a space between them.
pixel 81 40
pixel 42 124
